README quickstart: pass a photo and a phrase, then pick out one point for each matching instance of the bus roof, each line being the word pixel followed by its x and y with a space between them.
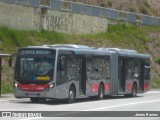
pixel 82 49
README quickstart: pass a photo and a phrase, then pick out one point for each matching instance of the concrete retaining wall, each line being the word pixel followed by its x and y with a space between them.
pixel 30 18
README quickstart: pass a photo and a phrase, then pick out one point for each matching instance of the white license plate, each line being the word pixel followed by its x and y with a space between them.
pixel 32 95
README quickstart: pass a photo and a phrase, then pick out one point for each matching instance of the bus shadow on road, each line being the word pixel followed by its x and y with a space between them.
pixel 80 100
pixel 84 100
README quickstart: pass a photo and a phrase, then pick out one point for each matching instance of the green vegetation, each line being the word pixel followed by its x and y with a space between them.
pixel 157 61
pixel 144 39
pixel 156 83
pixel 10 39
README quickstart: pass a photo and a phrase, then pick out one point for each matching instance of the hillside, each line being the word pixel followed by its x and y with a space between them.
pixel 144 39
pixel 148 7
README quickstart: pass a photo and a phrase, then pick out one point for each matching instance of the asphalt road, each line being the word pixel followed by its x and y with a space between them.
pixel 146 106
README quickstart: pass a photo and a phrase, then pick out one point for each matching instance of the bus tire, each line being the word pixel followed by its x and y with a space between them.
pixel 43 99
pixel 71 95
pixel 101 92
pixel 34 100
pixel 134 90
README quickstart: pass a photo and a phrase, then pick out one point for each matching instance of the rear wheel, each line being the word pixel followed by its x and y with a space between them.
pixel 101 92
pixel 134 90
pixel 71 95
pixel 34 100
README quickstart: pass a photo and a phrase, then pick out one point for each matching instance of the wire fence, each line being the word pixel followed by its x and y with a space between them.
pixel 80 8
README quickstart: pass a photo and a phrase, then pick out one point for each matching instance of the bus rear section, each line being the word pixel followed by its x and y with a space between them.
pixel 134 74
pixel 129 72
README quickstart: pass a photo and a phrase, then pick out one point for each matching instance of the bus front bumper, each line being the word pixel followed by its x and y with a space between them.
pixel 50 94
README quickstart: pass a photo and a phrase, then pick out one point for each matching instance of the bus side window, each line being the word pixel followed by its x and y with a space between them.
pixel 130 69
pixel 133 69
pixel 147 70
pixel 71 67
pixel 106 68
pixel 62 63
pixel 61 74
pixel 137 69
pixel 89 69
pixel 97 62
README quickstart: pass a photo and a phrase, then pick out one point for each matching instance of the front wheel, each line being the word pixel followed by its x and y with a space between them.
pixel 71 95
pixel 101 92
pixel 34 100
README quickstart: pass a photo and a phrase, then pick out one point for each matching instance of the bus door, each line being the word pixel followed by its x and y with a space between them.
pixel 145 75
pixel 122 74
pixel 141 80
pixel 130 74
pixel 82 81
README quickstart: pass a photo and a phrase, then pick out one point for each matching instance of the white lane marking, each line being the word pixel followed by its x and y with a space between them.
pixel 122 105
pixel 8 100
pixel 4 100
pixel 152 92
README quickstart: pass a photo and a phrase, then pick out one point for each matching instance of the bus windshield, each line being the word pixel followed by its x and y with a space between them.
pixel 35 68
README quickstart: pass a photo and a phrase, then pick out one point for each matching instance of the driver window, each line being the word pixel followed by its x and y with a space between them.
pixel 43 66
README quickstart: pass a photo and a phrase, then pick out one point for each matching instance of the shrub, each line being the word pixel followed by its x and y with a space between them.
pixel 157 61
pixel 144 10
pixel 109 3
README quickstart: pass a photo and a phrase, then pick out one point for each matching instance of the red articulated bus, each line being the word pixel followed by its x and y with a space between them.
pixel 67 71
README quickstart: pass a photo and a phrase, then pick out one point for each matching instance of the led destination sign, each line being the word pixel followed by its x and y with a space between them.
pixel 34 52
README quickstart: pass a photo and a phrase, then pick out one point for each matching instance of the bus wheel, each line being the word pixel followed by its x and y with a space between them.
pixel 34 100
pixel 101 92
pixel 134 90
pixel 71 95
pixel 43 99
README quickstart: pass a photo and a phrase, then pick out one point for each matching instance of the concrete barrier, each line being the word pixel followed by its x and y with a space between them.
pixel 30 18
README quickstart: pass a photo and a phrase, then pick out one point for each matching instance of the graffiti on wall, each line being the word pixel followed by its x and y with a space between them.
pixel 52 22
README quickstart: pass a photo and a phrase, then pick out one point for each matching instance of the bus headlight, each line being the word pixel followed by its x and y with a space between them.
pixel 16 85
pixel 52 86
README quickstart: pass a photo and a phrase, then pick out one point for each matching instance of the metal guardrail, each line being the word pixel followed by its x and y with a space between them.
pixel 80 8
pixel 33 3
pixel 56 4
